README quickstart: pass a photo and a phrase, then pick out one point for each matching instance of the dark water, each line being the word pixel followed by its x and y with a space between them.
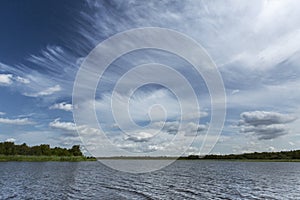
pixel 181 180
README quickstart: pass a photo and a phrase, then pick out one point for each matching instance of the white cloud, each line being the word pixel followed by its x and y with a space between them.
pixel 139 137
pixel 271 148
pixel 234 92
pixel 10 140
pixel 46 92
pixel 24 121
pixel 169 127
pixel 276 11
pixel 155 135
pixel 69 140
pixel 6 79
pixel 66 126
pixel 188 128
pixel 267 31
pixel 62 106
pixel 2 113
pixel 256 118
pixel 22 80
pixel 265 125
pixel 192 129
pixel 155 106
pixel 292 143
pixel 280 49
pixel 266 132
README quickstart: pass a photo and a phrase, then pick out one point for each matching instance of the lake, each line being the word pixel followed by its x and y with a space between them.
pixel 184 179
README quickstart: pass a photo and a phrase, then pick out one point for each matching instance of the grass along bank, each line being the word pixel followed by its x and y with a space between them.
pixel 29 158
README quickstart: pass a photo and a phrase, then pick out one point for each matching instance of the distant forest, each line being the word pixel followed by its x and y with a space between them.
pixel 10 148
pixel 283 155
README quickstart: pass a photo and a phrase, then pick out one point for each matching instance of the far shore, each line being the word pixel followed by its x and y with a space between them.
pixel 197 159
pixel 42 153
pixel 28 158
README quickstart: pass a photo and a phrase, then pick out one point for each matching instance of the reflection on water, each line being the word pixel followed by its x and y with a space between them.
pixel 182 179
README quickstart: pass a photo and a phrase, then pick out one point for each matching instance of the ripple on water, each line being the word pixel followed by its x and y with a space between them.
pixel 181 180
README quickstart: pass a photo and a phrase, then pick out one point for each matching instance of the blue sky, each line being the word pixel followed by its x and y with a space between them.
pixel 255 46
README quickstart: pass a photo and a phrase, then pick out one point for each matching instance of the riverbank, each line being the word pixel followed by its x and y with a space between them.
pixel 252 160
pixel 23 158
pixel 198 159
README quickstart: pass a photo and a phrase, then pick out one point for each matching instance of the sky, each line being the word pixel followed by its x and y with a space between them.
pixel 254 45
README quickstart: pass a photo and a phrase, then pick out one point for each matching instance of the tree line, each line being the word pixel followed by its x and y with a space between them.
pixel 282 155
pixel 10 148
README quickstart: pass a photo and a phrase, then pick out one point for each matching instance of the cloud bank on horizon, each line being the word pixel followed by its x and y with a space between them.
pixel 255 46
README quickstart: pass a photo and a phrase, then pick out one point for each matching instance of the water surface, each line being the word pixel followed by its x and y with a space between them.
pixel 184 179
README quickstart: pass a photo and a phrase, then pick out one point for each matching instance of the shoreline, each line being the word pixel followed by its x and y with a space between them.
pixel 29 158
pixel 43 158
pixel 198 159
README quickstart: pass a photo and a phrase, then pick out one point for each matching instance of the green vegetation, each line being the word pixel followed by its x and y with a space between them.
pixel 13 152
pixel 10 151
pixel 263 156
pixel 283 156
pixel 44 158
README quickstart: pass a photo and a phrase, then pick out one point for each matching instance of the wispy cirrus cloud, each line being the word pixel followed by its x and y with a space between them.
pixel 43 73
pixel 258 70
pixel 46 92
pixel 23 121
pixel 22 80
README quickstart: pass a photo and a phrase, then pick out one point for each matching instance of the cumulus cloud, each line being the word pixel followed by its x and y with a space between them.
pixel 70 137
pixel 256 118
pixel 2 113
pixel 251 23
pixel 23 121
pixel 193 129
pixel 6 79
pixel 265 125
pixel 144 107
pixel 62 106
pixel 171 127
pixel 46 92
pixel 139 137
pixel 66 126
pixel 188 128
pixel 266 132
pixel 10 140
pixel 69 140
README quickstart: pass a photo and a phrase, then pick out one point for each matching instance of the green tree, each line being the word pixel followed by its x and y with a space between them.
pixel 75 151
pixel 9 148
pixel 45 149
pixel 23 149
